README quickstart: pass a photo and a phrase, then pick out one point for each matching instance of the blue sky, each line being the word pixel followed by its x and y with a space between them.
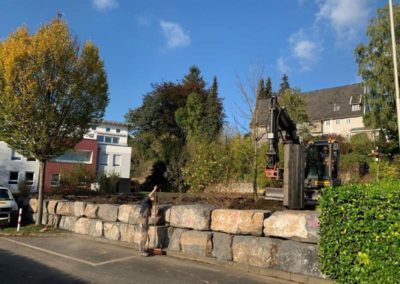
pixel 144 42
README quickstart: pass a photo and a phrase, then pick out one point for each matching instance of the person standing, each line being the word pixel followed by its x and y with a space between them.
pixel 145 211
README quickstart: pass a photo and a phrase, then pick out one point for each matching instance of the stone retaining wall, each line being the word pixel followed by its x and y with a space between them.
pixel 283 240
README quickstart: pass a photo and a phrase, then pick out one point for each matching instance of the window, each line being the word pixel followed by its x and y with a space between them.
pixel 117 160
pixel 107 139
pixel 13 178
pixel 355 107
pixel 55 180
pixel 29 176
pixel 100 138
pixel 15 156
pixel 103 159
pixel 115 140
pixel 337 121
pixel 348 120
pixel 328 122
pixel 336 107
pixel 84 157
pixel 118 130
pixel 108 129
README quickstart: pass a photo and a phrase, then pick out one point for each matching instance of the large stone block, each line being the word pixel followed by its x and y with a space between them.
pixel 91 210
pixel 82 226
pixel 239 222
pixel 197 217
pixel 44 218
pixel 67 223
pixel 52 206
pixel 296 257
pixel 129 213
pixel 111 231
pixel 196 243
pixel 175 238
pixel 295 225
pixel 257 251
pixel 108 212
pixel 79 208
pixel 53 220
pixel 33 205
pixel 65 208
pixel 95 228
pixel 222 246
pixel 158 236
pixel 129 233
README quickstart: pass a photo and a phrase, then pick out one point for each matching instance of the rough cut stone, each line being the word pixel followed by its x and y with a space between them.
pixel 296 225
pixel 158 236
pixel 196 243
pixel 222 246
pixel 128 233
pixel 65 208
pixel 53 220
pixel 175 239
pixel 257 251
pixel 111 231
pixel 296 257
pixel 95 228
pixel 52 206
pixel 108 212
pixel 129 213
pixel 79 208
pixel 239 222
pixel 91 210
pixel 44 218
pixel 33 205
pixel 195 217
pixel 82 226
pixel 68 222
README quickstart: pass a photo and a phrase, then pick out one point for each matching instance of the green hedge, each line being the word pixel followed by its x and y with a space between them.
pixel 360 233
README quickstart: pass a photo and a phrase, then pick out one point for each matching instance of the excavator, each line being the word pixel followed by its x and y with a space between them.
pixel 307 168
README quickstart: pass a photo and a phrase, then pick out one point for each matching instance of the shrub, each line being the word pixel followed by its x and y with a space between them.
pixel 108 183
pixel 360 232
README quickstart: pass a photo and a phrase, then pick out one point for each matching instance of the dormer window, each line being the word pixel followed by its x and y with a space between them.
pixel 336 107
pixel 355 107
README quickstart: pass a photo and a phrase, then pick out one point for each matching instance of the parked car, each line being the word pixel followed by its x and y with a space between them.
pixel 8 207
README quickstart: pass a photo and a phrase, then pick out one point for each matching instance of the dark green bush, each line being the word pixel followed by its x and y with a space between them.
pixel 360 232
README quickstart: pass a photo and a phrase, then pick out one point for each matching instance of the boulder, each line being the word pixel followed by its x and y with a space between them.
pixel 52 220
pixel 79 208
pixel 52 206
pixel 158 236
pixel 65 208
pixel 195 217
pixel 239 222
pixel 111 231
pixel 95 228
pixel 257 251
pixel 67 223
pixel 129 213
pixel 108 212
pixel 91 210
pixel 296 257
pixel 33 205
pixel 295 225
pixel 196 243
pixel 44 218
pixel 222 246
pixel 82 226
pixel 175 238
pixel 128 233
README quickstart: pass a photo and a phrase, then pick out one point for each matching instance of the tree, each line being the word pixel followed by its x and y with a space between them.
pixel 284 84
pixel 51 90
pixel 375 66
pixel 268 88
pixel 261 89
pixel 193 82
pixel 191 117
pixel 214 112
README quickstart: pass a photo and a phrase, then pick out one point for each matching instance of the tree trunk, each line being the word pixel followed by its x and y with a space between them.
pixel 42 169
pixel 255 152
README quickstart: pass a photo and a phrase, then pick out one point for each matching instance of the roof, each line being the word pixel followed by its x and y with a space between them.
pixel 324 104
pixel 112 123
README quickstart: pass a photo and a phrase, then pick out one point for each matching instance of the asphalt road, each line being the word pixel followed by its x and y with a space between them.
pixel 75 259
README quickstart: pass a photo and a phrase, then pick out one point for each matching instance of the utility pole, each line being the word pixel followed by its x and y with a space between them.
pixel 396 80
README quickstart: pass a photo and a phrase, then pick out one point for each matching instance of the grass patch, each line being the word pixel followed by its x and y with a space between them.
pixel 29 229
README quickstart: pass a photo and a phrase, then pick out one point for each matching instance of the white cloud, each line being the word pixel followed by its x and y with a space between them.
pixel 347 17
pixel 143 20
pixel 174 34
pixel 103 5
pixel 305 50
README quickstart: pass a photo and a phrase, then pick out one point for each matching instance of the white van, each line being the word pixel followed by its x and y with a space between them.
pixel 8 207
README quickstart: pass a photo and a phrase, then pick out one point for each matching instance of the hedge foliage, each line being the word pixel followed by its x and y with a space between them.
pixel 360 232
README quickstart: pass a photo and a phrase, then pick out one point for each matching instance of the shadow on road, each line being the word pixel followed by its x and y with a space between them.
pixel 18 269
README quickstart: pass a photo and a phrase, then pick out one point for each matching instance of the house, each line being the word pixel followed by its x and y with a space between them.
pixel 104 150
pixel 15 168
pixel 337 110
